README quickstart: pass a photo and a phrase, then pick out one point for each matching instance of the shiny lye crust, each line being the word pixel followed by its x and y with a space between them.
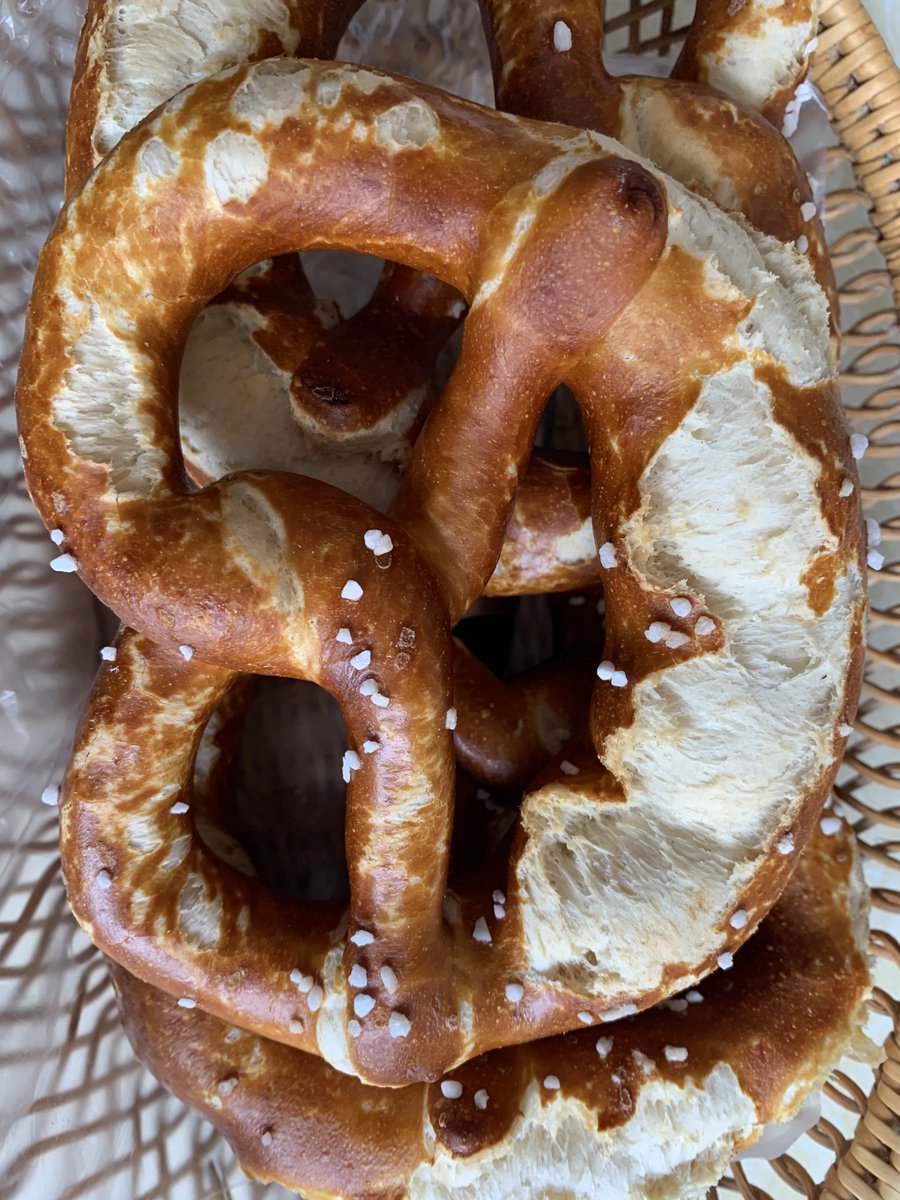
pixel 660 1101
pixel 732 629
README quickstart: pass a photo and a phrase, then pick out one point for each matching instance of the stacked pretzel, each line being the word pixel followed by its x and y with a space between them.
pixel 618 236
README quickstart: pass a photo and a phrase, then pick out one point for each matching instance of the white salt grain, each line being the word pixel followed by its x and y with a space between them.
pixel 481 1099
pixel 344 635
pixel 725 961
pixel 186 652
pixel 605 670
pixel 363 1004
pixel 551 1083
pixel 807 210
pixel 108 653
pixel 63 563
pixel 315 998
pixel 50 796
pixel 675 1054
pixel 389 979
pixel 681 606
pixel 187 1002
pixel 450 719
pixel 705 626
pixel 362 937
pixel 859 444
pixel 358 977
pixel 451 1089
pixel 603 1046
pixel 618 679
pixel 830 825
pixel 179 808
pixel 738 919
pixel 57 536
pixel 398 1025
pixel 351 590
pixel 514 992
pixel 562 37
pixel 360 661
pixel 481 933
pixel 607 554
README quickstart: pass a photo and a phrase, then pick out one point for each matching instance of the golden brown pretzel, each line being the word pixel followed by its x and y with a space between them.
pixel 705 140
pixel 656 1105
pixel 739 371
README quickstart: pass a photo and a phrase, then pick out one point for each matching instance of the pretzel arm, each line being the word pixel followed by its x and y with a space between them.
pixel 755 51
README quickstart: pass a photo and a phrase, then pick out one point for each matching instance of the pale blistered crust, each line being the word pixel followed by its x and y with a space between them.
pixel 756 51
pixel 764 1034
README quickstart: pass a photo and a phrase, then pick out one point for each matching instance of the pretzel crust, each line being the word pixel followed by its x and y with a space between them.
pixel 292 1119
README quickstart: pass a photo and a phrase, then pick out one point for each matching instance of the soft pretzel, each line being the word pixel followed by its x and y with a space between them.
pixel 656 1105
pixel 704 140
pixel 754 50
pixel 717 364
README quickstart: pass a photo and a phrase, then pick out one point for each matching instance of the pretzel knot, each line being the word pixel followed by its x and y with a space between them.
pixel 729 542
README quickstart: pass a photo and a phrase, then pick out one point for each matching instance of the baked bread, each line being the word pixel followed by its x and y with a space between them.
pixel 655 1105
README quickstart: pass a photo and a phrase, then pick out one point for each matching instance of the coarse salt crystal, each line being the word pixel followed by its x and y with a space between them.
pixel 830 825
pixel 360 661
pixel 657 630
pixel 344 635
pixel 363 1004
pixel 103 880
pixel 354 1028
pixel 64 563
pixel 647 1065
pixel 379 543
pixel 451 1089
pixel 846 488
pixel 358 977
pixel 693 996
pixel 681 606
pixel 315 998
pixel 875 559
pixel 859 444
pixel 295 1026
pixel 362 937
pixel 178 808
pixel 551 1083
pixel 738 919
pixel 807 210
pixel 389 979
pixel 675 1054
pixel 678 1004
pixel 351 590
pixel 568 768
pixel 586 1018
pixel 844 729
pixel 57 536
pixel 802 243
pixel 370 747
pixel 514 992
pixel 603 1046
pixel 562 37
pixel 616 1014
pixel 725 961
pixel 450 719
pixel 873 531
pixel 186 652
pixel 499 912
pixel 607 554
pixel 676 639
pixel 380 700
pixel 266 1138
pixel 187 1002
pixel 398 1025
pixel 481 933
pixel 350 762
pixel 605 670
pixel 303 982
pixel 481 1099
pixel 618 679
pixel 498 897
pixel 705 626
pixel 785 845
pixel 50 796
pixel 368 687
pixel 108 653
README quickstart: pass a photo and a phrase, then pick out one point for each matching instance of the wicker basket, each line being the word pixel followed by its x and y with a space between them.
pixel 95 1107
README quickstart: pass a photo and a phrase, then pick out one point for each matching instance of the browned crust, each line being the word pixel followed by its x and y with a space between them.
pixel 790 1008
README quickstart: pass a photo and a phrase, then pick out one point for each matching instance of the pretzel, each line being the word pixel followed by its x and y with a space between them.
pixel 241 591
pixel 655 1105
pixel 756 52
pixel 705 141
